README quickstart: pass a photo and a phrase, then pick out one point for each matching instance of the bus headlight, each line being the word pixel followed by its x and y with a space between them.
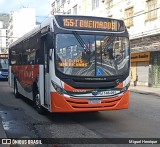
pixel 58 88
pixel 0 72
pixel 125 88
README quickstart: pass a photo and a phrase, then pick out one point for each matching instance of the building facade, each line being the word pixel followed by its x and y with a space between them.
pixel 78 7
pixel 67 7
pixel 20 22
pixel 3 33
pixel 142 19
pixel 145 60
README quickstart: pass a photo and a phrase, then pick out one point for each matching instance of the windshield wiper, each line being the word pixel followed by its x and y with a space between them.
pixel 83 45
pixel 109 41
pixel 81 41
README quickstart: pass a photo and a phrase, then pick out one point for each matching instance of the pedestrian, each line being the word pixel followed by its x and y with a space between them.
pixel 135 82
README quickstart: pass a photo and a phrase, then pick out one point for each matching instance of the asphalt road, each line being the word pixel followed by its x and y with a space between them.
pixel 21 120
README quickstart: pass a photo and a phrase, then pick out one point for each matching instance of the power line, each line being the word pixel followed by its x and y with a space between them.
pixel 134 15
pixel 142 13
pixel 148 31
pixel 9 36
pixel 115 3
pixel 42 16
pixel 45 18
pixel 137 16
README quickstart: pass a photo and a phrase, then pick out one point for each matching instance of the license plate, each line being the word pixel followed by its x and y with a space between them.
pixel 94 101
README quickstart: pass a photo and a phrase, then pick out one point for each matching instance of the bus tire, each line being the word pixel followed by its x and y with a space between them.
pixel 37 101
pixel 16 93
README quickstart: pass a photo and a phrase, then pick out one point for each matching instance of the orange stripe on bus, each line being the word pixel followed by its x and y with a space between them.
pixel 69 88
pixel 120 85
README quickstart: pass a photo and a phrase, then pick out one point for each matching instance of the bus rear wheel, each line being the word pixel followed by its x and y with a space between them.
pixel 37 102
pixel 16 93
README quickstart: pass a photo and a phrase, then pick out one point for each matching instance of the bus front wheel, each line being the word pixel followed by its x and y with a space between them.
pixel 37 102
pixel 16 93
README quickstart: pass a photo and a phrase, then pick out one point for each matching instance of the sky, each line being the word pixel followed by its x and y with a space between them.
pixel 43 7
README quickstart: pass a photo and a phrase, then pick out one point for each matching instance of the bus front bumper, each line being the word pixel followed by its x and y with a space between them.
pixel 60 103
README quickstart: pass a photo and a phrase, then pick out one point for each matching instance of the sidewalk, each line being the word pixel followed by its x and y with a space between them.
pixel 145 90
pixel 2 133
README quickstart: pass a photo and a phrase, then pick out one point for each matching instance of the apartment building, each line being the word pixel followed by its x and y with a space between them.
pixel 66 7
pixel 142 19
pixel 78 7
pixel 20 22
pixel 2 39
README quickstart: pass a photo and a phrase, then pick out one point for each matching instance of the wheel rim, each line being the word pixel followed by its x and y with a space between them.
pixel 15 89
pixel 37 98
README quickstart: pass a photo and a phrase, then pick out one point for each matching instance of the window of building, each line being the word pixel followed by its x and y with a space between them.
pixel 0 42
pixel 69 11
pixel 75 9
pixel 129 17
pixel 63 1
pixel 58 3
pixel 151 9
pixel 53 8
pixel 53 5
pixel 110 16
pixel 68 1
pixel 109 3
pixel 95 4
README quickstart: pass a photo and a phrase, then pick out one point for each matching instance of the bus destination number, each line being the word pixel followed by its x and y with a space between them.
pixel 73 63
pixel 112 25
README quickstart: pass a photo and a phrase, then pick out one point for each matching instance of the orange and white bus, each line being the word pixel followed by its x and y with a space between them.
pixel 73 64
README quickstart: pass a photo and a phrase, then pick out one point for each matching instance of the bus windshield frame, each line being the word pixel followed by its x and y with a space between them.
pixel 107 50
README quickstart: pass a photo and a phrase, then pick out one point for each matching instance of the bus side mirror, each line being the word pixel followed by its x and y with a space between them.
pixel 50 54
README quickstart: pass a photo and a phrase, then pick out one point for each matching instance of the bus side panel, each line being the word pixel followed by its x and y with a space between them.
pixel 60 103
pixel 25 76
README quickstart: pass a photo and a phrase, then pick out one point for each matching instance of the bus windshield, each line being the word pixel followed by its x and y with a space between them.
pixel 3 63
pixel 92 55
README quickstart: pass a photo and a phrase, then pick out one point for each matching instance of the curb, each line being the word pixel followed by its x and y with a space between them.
pixel 145 93
pixel 2 132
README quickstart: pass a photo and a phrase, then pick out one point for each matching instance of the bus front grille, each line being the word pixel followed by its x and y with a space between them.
pixel 84 103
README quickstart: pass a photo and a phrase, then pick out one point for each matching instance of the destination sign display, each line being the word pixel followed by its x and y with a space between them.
pixel 90 23
pixel 72 63
pixel 3 55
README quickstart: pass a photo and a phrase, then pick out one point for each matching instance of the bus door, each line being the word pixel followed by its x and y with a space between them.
pixel 46 72
pixel 47 45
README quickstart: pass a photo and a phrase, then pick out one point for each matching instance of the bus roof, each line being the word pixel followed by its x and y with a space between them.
pixel 78 23
pixel 35 30
pixel 30 33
